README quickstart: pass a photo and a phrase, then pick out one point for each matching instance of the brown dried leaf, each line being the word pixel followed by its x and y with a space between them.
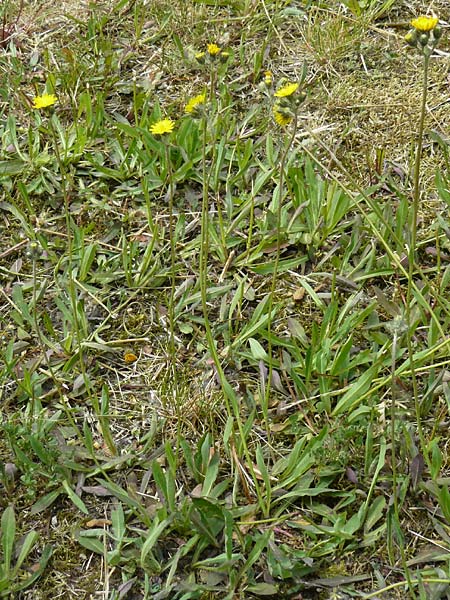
pixel 416 470
pixel 96 490
pixel 98 523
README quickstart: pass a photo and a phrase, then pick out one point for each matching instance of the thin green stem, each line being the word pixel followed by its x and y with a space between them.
pixel 266 396
pixel 393 416
pixel 172 262
pixel 173 380
pixel 412 582
pixel 412 253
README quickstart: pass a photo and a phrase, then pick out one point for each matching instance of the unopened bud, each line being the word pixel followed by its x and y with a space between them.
pixel 411 38
pixel 33 250
pixel 437 32
pixel 299 98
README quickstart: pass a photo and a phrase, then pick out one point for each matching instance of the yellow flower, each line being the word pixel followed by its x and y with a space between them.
pixel 194 103
pixel 281 119
pixel 161 127
pixel 286 90
pixel 200 56
pixel 268 77
pixel 213 49
pixel 424 23
pixel 44 101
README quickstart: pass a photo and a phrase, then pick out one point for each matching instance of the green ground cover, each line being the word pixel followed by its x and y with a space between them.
pixel 224 310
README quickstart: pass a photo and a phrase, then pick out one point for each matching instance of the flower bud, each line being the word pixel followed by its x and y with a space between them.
pixel 268 77
pixel 34 250
pixel 411 38
pixel 437 32
pixel 300 98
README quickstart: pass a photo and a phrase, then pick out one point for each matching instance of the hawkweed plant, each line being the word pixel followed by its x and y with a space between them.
pixel 202 107
pixel 162 129
pixel 424 36
pixel 288 98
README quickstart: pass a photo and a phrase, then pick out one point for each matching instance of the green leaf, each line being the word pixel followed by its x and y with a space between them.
pixel 27 546
pixel 257 350
pixel 211 474
pixel 153 536
pixel 87 258
pixel 444 501
pixel 46 501
pixel 355 393
pixel 91 544
pixel 77 501
pixel 8 530
pixel 262 589
pixel 10 168
pixel 118 523
pixel 208 519
pixel 375 512
pixel 46 554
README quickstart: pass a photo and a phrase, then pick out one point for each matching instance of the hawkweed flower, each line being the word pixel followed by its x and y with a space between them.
pixel 288 99
pixel 281 115
pixel 195 104
pixel 424 24
pixel 286 91
pixel 162 127
pixel 425 34
pixel 213 49
pixel 213 53
pixel 44 101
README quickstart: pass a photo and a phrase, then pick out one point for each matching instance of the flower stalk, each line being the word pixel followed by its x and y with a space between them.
pixel 424 37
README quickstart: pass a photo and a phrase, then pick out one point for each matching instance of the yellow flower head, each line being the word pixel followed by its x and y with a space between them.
pixel 195 103
pixel 162 127
pixel 281 119
pixel 286 90
pixel 44 101
pixel 268 77
pixel 424 24
pixel 200 56
pixel 213 49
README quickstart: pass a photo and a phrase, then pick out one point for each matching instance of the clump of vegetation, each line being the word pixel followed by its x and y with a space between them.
pixel 224 318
